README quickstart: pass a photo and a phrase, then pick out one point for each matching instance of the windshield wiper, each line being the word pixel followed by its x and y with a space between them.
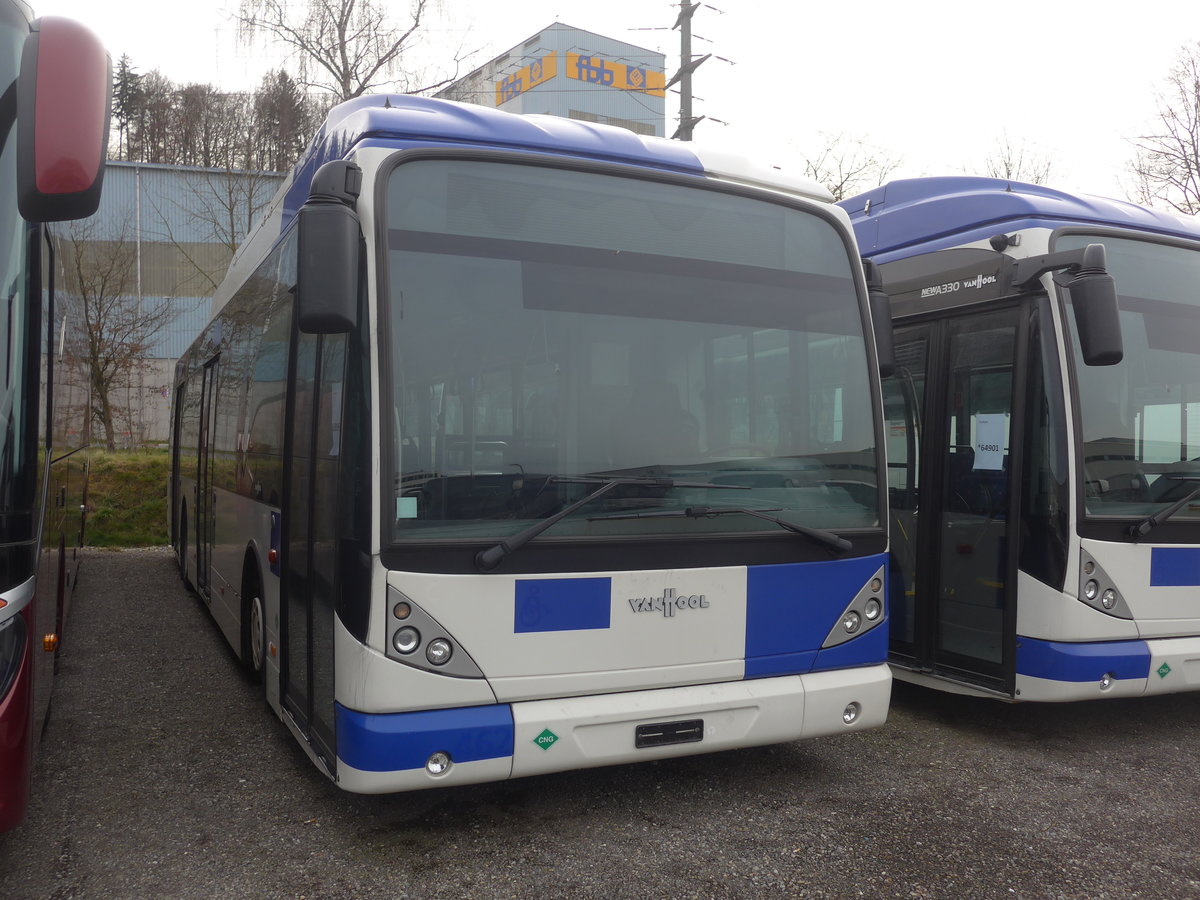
pixel 828 538
pixel 487 560
pixel 1144 527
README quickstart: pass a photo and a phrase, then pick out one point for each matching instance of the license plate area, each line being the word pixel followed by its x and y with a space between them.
pixel 662 734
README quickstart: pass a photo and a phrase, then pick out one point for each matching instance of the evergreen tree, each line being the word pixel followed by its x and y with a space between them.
pixel 126 98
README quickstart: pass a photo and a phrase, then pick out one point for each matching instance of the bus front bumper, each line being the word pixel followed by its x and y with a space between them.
pixel 388 752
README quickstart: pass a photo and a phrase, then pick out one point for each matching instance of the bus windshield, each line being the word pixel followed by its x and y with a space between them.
pixel 1140 419
pixel 547 329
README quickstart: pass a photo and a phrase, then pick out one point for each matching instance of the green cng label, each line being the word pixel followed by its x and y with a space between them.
pixel 1164 670
pixel 546 739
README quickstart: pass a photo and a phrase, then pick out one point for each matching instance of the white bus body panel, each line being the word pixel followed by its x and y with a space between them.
pixel 1159 610
pixel 1049 614
pixel 1174 665
pixel 367 680
pixel 693 646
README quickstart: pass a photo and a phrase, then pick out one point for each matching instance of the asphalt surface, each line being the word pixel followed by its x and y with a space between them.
pixel 163 775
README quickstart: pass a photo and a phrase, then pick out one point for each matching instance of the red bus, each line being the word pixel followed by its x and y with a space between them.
pixel 55 85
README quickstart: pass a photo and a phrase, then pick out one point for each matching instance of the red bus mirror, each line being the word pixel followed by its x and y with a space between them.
pixel 63 100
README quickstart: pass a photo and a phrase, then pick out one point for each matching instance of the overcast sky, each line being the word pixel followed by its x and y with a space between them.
pixel 934 83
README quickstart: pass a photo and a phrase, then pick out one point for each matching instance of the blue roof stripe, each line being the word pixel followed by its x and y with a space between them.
pixel 406 121
pixel 935 213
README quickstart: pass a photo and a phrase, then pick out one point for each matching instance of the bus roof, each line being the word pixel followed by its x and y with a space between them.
pixel 404 120
pixel 937 213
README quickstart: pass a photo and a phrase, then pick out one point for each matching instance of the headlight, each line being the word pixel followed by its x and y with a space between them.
pixel 851 622
pixel 438 652
pixel 872 609
pixel 1108 599
pixel 406 640
pixel 1091 589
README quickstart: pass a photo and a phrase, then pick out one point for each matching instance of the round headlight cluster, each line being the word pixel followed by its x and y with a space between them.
pixel 1097 589
pixel 406 640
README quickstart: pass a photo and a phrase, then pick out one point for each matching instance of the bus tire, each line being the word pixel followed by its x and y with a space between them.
pixel 254 625
pixel 182 548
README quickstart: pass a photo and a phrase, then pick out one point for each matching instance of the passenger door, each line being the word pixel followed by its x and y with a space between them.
pixel 310 529
pixel 953 613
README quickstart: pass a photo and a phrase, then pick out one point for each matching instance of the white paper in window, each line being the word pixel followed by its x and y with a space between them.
pixel 989 442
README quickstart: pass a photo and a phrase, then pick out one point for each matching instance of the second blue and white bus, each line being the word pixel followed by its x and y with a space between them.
pixel 520 444
pixel 1043 438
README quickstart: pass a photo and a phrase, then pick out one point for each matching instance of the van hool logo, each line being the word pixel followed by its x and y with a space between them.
pixel 951 286
pixel 668 602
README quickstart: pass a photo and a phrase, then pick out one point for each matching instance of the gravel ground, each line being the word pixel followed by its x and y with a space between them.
pixel 163 775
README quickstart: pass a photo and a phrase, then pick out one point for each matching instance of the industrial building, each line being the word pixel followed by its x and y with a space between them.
pixel 569 72
pixel 163 236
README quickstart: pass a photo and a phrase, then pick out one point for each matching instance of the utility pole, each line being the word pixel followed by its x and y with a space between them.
pixel 687 65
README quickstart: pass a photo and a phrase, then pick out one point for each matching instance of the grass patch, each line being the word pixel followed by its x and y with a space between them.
pixel 127 499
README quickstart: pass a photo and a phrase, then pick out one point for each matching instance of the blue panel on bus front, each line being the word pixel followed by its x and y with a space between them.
pixel 919 212
pixel 791 609
pixel 1059 661
pixel 562 604
pixel 1174 566
pixel 393 742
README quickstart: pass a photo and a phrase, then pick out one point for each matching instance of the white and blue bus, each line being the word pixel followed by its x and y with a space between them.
pixel 519 444
pixel 1043 439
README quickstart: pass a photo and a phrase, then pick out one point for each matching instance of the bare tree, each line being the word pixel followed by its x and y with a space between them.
pixel 1017 162
pixel 849 165
pixel 150 139
pixel 119 329
pixel 1166 167
pixel 346 47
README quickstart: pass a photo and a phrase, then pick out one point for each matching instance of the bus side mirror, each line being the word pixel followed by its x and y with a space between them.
pixel 1094 301
pixel 880 306
pixel 329 251
pixel 1084 273
pixel 64 95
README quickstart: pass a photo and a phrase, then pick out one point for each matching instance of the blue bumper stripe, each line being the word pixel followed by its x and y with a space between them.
pixel 865 650
pixel 1174 566
pixel 563 604
pixel 392 742
pixel 780 664
pixel 1058 661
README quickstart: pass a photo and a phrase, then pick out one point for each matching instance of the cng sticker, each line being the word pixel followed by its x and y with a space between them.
pixel 546 739
pixel 1164 670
